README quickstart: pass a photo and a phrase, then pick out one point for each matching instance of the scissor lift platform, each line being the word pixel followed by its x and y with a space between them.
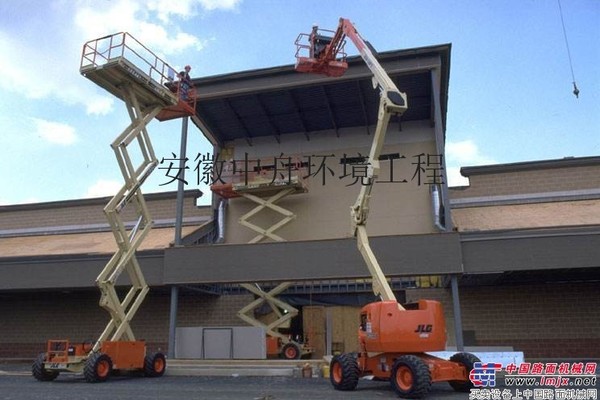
pixel 112 75
pixel 117 61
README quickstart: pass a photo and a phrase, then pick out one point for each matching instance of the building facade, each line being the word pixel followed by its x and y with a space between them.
pixel 514 257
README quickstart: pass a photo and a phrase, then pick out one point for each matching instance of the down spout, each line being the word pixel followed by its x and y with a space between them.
pixel 438 208
pixel 221 221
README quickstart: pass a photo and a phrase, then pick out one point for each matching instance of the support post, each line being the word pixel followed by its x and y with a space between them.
pixel 457 316
pixel 328 331
pixel 180 183
pixel 173 320
pixel 440 143
pixel 178 235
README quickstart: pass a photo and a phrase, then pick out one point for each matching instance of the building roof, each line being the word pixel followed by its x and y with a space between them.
pixel 278 101
pixel 530 165
pixel 83 243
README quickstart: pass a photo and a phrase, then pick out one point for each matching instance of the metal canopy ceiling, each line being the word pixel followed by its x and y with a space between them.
pixel 279 101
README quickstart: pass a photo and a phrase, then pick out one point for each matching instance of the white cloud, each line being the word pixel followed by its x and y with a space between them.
pixel 219 4
pixel 455 178
pixel 136 17
pixel 55 57
pixel 102 188
pixel 54 132
pixel 57 77
pixel 462 154
pixel 99 105
pixel 187 8
pixel 466 153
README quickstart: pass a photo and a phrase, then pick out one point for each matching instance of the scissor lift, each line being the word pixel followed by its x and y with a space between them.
pixel 128 70
pixel 265 188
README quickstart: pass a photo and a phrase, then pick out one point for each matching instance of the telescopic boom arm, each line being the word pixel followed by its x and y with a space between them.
pixel 325 53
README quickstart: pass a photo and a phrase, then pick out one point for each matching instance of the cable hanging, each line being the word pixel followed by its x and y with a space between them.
pixel 575 89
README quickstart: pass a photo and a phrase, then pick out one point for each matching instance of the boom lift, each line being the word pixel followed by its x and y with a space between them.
pixel 393 339
pixel 127 69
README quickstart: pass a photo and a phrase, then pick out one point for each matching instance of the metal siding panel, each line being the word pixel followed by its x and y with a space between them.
pixel 534 253
pixel 398 255
pixel 69 273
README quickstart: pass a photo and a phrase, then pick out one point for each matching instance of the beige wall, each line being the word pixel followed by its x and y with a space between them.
pixel 324 211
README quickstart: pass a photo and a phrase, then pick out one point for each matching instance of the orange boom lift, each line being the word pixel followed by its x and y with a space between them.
pixel 393 338
pixel 130 71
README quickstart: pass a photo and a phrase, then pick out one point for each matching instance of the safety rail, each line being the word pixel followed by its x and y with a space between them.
pixel 101 51
pixel 58 351
pixel 304 47
pixel 314 53
pixel 235 176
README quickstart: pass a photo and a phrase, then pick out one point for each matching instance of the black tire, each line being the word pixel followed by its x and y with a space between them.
pixel 410 377
pixel 467 360
pixel 98 367
pixel 155 365
pixel 344 372
pixel 291 351
pixel 39 372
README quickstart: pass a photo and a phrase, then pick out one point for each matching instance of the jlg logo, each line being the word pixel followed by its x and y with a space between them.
pixel 424 328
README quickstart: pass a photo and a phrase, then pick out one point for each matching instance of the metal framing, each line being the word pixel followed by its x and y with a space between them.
pixel 284 311
pixel 122 311
pixel 130 71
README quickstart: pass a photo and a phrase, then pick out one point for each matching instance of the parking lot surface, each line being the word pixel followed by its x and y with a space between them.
pixel 18 384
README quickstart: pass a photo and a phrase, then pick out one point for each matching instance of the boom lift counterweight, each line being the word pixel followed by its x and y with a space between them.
pixel 393 339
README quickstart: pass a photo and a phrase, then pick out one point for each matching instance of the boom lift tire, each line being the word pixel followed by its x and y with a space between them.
pixel 344 372
pixel 410 377
pixel 39 372
pixel 467 360
pixel 98 367
pixel 291 351
pixel 155 365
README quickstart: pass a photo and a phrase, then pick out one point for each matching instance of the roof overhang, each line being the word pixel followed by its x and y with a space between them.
pixel 278 101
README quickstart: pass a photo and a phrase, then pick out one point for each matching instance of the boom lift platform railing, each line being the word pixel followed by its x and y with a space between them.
pixel 130 71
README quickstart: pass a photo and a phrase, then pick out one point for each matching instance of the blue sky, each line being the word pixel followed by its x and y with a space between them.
pixel 509 99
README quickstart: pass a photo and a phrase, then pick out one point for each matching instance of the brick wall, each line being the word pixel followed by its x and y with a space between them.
pixel 29 319
pixel 90 211
pixel 535 181
pixel 545 320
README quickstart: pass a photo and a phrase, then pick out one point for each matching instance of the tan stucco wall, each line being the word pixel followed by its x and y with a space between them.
pixel 324 211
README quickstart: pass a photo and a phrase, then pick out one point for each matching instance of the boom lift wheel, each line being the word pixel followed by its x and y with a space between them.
pixel 155 365
pixel 410 377
pixel 291 351
pixel 39 372
pixel 467 360
pixel 344 372
pixel 98 368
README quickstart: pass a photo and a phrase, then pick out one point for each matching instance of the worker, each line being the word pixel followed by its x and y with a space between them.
pixel 319 42
pixel 185 82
